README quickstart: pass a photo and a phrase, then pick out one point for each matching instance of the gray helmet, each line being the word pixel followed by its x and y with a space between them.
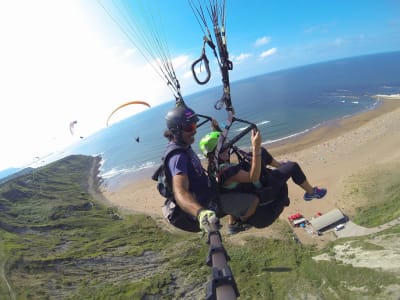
pixel 179 118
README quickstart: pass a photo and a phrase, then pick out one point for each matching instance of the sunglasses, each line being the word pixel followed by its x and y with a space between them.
pixel 189 127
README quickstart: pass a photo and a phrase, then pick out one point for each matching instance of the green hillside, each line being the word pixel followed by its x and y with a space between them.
pixel 58 242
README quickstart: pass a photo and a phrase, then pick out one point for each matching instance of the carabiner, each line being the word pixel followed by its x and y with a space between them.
pixel 203 58
pixel 219 104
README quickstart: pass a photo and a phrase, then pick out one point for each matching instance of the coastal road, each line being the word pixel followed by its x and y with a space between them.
pixel 350 229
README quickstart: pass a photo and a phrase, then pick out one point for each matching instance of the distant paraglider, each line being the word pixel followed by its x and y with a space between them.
pixel 126 104
pixel 72 126
pixel 137 139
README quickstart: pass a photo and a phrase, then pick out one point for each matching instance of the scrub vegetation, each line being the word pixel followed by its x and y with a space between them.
pixel 377 191
pixel 59 242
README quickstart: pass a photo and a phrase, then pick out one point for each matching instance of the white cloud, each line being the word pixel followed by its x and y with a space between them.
pixel 262 41
pixel 130 52
pixel 338 42
pixel 58 66
pixel 268 53
pixel 189 74
pixel 180 61
pixel 240 58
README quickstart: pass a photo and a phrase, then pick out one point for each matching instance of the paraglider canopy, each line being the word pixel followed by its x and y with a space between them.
pixel 126 104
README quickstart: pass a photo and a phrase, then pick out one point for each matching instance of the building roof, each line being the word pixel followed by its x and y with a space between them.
pixel 299 221
pixel 327 219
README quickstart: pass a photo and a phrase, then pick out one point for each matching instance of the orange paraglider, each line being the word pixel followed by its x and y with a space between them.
pixel 126 104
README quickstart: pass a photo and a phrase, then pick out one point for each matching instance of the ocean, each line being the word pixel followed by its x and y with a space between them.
pixel 282 104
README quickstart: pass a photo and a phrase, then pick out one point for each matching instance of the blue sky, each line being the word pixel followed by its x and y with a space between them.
pixel 67 60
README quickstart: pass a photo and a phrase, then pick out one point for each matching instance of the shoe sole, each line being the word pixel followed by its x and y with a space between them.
pixel 230 233
pixel 309 199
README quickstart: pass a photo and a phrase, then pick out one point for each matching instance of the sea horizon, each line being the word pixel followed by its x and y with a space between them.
pixel 283 104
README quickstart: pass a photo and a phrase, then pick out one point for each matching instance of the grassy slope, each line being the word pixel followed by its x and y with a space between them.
pixel 57 242
pixel 377 194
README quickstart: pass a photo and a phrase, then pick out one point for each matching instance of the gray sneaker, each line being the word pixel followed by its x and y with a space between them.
pixel 237 227
pixel 317 193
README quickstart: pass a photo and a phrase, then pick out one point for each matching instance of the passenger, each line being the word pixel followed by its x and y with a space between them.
pixel 269 186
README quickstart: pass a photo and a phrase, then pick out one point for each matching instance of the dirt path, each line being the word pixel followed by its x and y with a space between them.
pixel 4 279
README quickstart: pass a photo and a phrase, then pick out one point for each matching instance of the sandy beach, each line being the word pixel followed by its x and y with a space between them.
pixel 329 155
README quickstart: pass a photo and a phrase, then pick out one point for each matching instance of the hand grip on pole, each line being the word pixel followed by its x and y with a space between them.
pixel 222 285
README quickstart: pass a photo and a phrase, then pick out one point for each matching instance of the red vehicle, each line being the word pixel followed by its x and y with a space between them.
pixel 295 216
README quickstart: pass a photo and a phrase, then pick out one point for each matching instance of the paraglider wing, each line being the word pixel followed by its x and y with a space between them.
pixel 126 104
pixel 72 126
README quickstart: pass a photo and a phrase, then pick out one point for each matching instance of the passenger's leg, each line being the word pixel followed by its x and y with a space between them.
pixel 239 205
pixel 292 170
pixel 252 209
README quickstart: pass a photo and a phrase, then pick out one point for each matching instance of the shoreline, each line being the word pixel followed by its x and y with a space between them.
pixel 329 156
pixel 333 128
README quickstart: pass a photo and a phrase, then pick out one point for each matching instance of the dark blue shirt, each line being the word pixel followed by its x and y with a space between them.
pixel 187 163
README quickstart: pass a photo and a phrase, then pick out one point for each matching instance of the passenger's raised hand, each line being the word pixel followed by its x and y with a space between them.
pixel 256 138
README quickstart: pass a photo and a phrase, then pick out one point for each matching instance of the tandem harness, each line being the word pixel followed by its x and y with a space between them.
pixel 268 189
pixel 171 211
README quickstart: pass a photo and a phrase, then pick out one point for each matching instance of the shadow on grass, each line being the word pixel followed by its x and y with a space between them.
pixel 277 269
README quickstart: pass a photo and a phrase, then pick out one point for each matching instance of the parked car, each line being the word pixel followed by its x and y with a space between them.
pixel 339 227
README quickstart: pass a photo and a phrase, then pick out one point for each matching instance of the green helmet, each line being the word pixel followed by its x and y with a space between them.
pixel 209 142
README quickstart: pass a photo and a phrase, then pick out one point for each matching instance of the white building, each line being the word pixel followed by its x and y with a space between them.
pixel 327 219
